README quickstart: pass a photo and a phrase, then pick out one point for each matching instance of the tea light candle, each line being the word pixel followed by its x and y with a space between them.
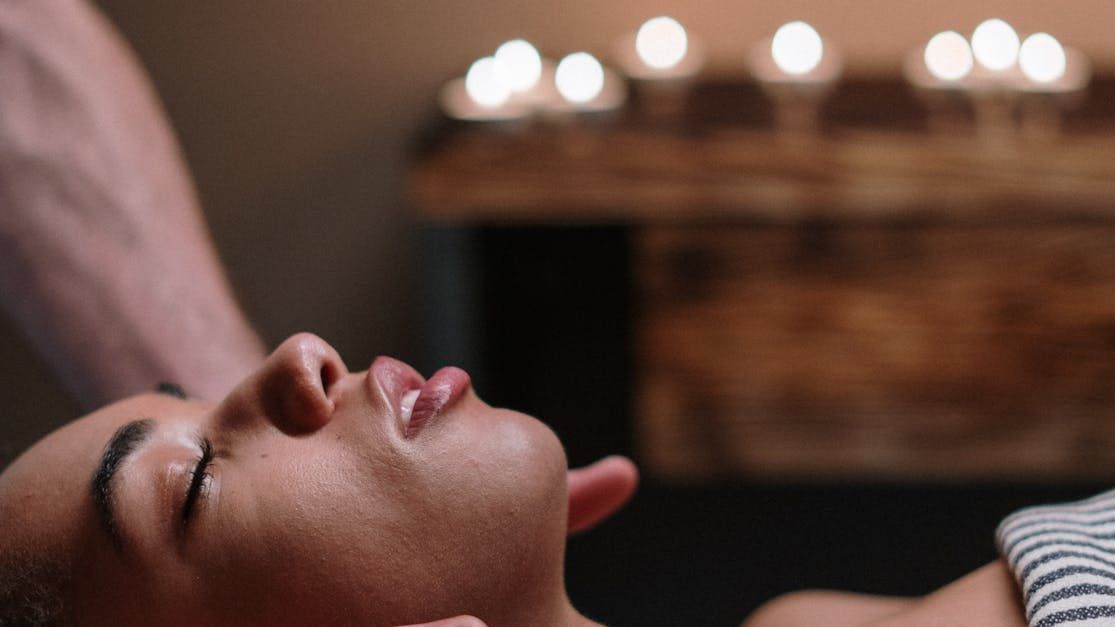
pixel 504 86
pixel 940 73
pixel 797 68
pixel 661 50
pixel 661 43
pixel 995 45
pixel 517 65
pixel 1042 59
pixel 948 59
pixel 579 77
pixel 662 59
pixel 944 65
pixel 482 95
pixel 484 86
pixel 796 48
pixel 1053 79
pixel 586 85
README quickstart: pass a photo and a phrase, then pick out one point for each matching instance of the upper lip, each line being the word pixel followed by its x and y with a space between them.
pixel 441 391
pixel 394 379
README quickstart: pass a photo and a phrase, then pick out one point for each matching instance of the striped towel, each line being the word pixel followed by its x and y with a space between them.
pixel 1063 557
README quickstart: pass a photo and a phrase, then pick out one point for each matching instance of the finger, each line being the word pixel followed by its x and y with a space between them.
pixel 599 489
pixel 456 621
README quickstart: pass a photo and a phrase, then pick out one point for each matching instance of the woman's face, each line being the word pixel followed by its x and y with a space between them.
pixel 310 495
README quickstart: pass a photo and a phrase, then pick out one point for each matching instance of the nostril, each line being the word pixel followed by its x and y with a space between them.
pixel 329 375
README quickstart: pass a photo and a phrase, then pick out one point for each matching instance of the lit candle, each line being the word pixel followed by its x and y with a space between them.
pixel 484 86
pixel 662 59
pixel 1048 67
pixel 940 74
pixel 1042 58
pixel 482 95
pixel 1053 79
pixel 995 45
pixel 518 65
pixel 948 57
pixel 796 55
pixel 797 68
pixel 579 77
pixel 661 43
pixel 586 85
pixel 661 50
pixel 796 48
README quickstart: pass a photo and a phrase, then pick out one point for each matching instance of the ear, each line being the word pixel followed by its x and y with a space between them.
pixel 599 489
pixel 456 621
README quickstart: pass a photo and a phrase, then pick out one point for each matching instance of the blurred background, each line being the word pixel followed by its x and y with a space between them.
pixel 819 397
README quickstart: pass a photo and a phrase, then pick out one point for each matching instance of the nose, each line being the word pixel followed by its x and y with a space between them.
pixel 291 388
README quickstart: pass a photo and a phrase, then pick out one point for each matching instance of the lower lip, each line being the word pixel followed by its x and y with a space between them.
pixel 439 393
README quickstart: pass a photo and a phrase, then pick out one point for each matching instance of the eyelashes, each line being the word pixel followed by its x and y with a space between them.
pixel 171 389
pixel 199 478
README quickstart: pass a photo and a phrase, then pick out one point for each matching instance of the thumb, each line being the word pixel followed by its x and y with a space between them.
pixel 456 621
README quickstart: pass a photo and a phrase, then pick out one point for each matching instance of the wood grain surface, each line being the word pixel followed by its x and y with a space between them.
pixel 878 351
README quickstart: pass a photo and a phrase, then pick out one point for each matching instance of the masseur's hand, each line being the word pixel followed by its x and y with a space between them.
pixel 105 261
pixel 598 490
pixel 456 621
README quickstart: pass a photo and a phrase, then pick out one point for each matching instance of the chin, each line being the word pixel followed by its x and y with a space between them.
pixel 514 522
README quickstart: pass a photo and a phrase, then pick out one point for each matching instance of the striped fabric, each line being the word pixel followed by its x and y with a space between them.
pixel 1063 557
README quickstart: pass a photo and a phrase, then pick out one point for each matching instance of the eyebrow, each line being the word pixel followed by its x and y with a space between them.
pixel 171 389
pixel 123 443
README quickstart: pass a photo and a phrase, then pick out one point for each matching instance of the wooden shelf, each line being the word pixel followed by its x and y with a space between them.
pixel 638 171
pixel 879 299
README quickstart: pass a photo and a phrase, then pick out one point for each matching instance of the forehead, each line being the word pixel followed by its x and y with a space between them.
pixel 44 493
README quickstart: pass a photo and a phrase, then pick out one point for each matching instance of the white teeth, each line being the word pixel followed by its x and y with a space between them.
pixel 406 406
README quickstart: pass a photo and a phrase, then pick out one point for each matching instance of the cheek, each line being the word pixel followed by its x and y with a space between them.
pixel 473 516
pixel 308 531
pixel 495 508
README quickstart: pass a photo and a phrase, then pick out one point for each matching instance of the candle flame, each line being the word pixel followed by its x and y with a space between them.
pixel 796 48
pixel 661 42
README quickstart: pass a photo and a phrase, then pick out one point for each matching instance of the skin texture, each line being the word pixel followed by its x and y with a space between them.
pixel 318 510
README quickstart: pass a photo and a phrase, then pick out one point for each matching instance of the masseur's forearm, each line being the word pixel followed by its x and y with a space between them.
pixel 105 260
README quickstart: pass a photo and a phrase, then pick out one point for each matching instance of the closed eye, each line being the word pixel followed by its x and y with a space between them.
pixel 198 477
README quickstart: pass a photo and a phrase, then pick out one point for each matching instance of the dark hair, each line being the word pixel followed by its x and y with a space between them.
pixel 31 590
